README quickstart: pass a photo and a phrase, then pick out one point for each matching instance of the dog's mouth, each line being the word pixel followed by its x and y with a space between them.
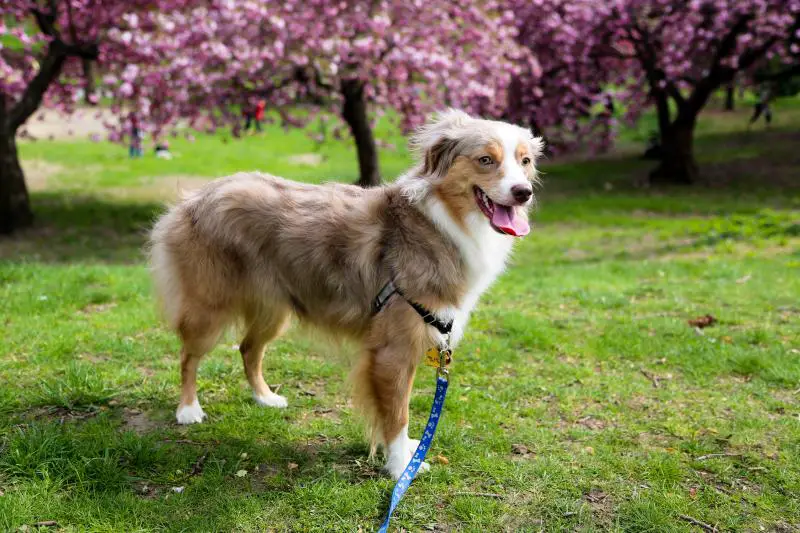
pixel 503 218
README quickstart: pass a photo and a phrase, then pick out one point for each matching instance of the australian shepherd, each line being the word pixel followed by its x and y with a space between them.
pixel 257 249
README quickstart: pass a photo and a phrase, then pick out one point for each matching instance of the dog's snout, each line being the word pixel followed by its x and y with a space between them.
pixel 522 193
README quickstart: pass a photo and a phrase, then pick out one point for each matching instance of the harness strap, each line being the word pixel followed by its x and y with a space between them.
pixel 427 316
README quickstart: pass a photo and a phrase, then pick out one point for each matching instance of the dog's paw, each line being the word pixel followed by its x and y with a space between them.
pixel 396 468
pixel 412 448
pixel 271 400
pixel 190 414
pixel 397 462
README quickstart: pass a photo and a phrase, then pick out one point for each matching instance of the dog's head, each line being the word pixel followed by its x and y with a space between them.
pixel 475 165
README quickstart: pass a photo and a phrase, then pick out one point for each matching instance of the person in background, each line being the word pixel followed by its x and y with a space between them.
pixel 261 105
pixel 762 106
pixel 254 116
pixel 135 149
pixel 162 150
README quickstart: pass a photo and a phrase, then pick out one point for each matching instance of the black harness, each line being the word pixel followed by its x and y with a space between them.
pixel 427 316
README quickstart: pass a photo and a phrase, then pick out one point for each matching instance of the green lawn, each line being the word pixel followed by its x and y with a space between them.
pixel 580 399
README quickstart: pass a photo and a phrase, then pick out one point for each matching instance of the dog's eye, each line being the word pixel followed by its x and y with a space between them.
pixel 526 161
pixel 485 160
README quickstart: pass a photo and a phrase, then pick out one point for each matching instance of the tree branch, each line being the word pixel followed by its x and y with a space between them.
pixel 676 95
pixel 72 31
pixel 49 69
pixel 751 55
pixel 389 47
pixel 46 21
pixel 781 75
pixel 609 50
pixel 727 45
pixel 50 66
pixel 319 82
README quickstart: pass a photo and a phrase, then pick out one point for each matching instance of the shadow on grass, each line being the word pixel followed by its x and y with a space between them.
pixel 82 229
pixel 743 173
pixel 745 162
pixel 103 461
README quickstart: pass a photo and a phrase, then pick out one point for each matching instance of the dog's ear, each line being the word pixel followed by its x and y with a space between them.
pixel 436 143
pixel 537 146
pixel 439 157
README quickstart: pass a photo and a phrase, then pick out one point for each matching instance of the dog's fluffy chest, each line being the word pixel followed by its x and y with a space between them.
pixel 484 252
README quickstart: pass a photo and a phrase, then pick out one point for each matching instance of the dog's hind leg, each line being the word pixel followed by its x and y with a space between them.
pixel 261 331
pixel 199 332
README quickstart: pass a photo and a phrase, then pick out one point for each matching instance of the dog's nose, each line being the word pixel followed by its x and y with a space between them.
pixel 521 193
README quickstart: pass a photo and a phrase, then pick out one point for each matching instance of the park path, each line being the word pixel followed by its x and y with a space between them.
pixel 85 122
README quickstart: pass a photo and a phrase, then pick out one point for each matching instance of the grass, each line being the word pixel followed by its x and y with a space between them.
pixel 580 399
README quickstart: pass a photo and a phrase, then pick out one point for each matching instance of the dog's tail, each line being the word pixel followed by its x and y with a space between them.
pixel 365 400
pixel 163 268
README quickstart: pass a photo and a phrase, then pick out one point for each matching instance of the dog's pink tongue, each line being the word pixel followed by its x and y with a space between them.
pixel 506 220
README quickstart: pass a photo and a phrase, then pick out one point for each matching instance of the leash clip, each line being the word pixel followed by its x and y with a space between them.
pixel 440 357
pixel 445 357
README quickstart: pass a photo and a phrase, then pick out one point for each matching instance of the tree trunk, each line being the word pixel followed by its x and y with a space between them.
pixel 662 112
pixel 88 81
pixel 15 210
pixel 678 165
pixel 729 97
pixel 354 112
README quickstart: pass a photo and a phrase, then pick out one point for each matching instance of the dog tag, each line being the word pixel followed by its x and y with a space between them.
pixel 432 357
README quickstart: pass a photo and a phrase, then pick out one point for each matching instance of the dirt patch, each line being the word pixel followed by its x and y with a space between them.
pixel 138 421
pixel 64 414
pixel 592 423
pixel 358 469
pixel 307 160
pixel 601 504
pixel 520 451
pixel 39 173
pixel 51 125
pixel 160 188
pixel 97 308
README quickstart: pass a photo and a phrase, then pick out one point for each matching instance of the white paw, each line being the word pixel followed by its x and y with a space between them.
pixel 396 468
pixel 412 447
pixel 190 414
pixel 400 454
pixel 271 400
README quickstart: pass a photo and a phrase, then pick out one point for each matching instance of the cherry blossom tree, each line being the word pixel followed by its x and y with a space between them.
pixel 569 97
pixel 349 56
pixel 671 54
pixel 165 61
pixel 684 51
pixel 47 46
pixel 787 65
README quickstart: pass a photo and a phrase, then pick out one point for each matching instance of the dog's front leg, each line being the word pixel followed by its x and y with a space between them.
pixel 392 376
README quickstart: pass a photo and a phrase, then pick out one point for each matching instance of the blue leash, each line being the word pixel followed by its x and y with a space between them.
pixel 410 472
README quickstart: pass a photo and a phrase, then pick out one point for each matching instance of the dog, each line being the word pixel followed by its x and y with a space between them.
pixel 257 249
